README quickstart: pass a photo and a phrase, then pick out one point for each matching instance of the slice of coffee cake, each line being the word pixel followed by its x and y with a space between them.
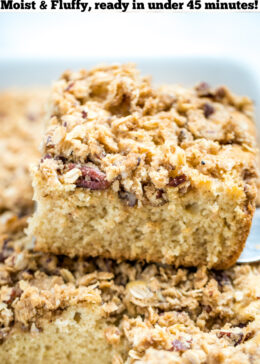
pixel 129 171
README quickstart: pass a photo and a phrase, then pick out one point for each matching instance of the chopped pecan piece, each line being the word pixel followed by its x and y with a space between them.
pixel 92 178
pixel 220 92
pixel 203 89
pixel 236 338
pixel 239 339
pixel 242 325
pixel 176 181
pixel 208 109
pixel 224 333
pixel 16 292
pixel 159 193
pixel 84 114
pixel 93 185
pixel 208 308
pixel 248 336
pixel 47 156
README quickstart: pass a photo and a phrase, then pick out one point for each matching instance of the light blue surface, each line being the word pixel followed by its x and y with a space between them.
pixel 251 252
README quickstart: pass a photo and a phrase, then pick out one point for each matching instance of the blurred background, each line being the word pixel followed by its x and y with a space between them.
pixel 74 35
pixel 67 37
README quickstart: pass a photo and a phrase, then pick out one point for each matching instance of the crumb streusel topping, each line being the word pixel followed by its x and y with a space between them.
pixel 109 126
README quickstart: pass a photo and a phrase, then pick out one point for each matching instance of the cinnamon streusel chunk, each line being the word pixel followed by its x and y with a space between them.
pixel 54 309
pixel 130 171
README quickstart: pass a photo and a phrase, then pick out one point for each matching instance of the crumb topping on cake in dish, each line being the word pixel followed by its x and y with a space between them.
pixel 180 313
pixel 21 114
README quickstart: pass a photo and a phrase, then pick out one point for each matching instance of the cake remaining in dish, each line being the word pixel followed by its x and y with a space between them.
pixel 21 123
pixel 129 171
pixel 55 309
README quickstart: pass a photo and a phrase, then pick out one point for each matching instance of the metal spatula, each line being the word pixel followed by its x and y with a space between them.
pixel 251 252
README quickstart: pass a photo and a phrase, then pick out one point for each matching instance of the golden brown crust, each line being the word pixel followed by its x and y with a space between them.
pixel 244 230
